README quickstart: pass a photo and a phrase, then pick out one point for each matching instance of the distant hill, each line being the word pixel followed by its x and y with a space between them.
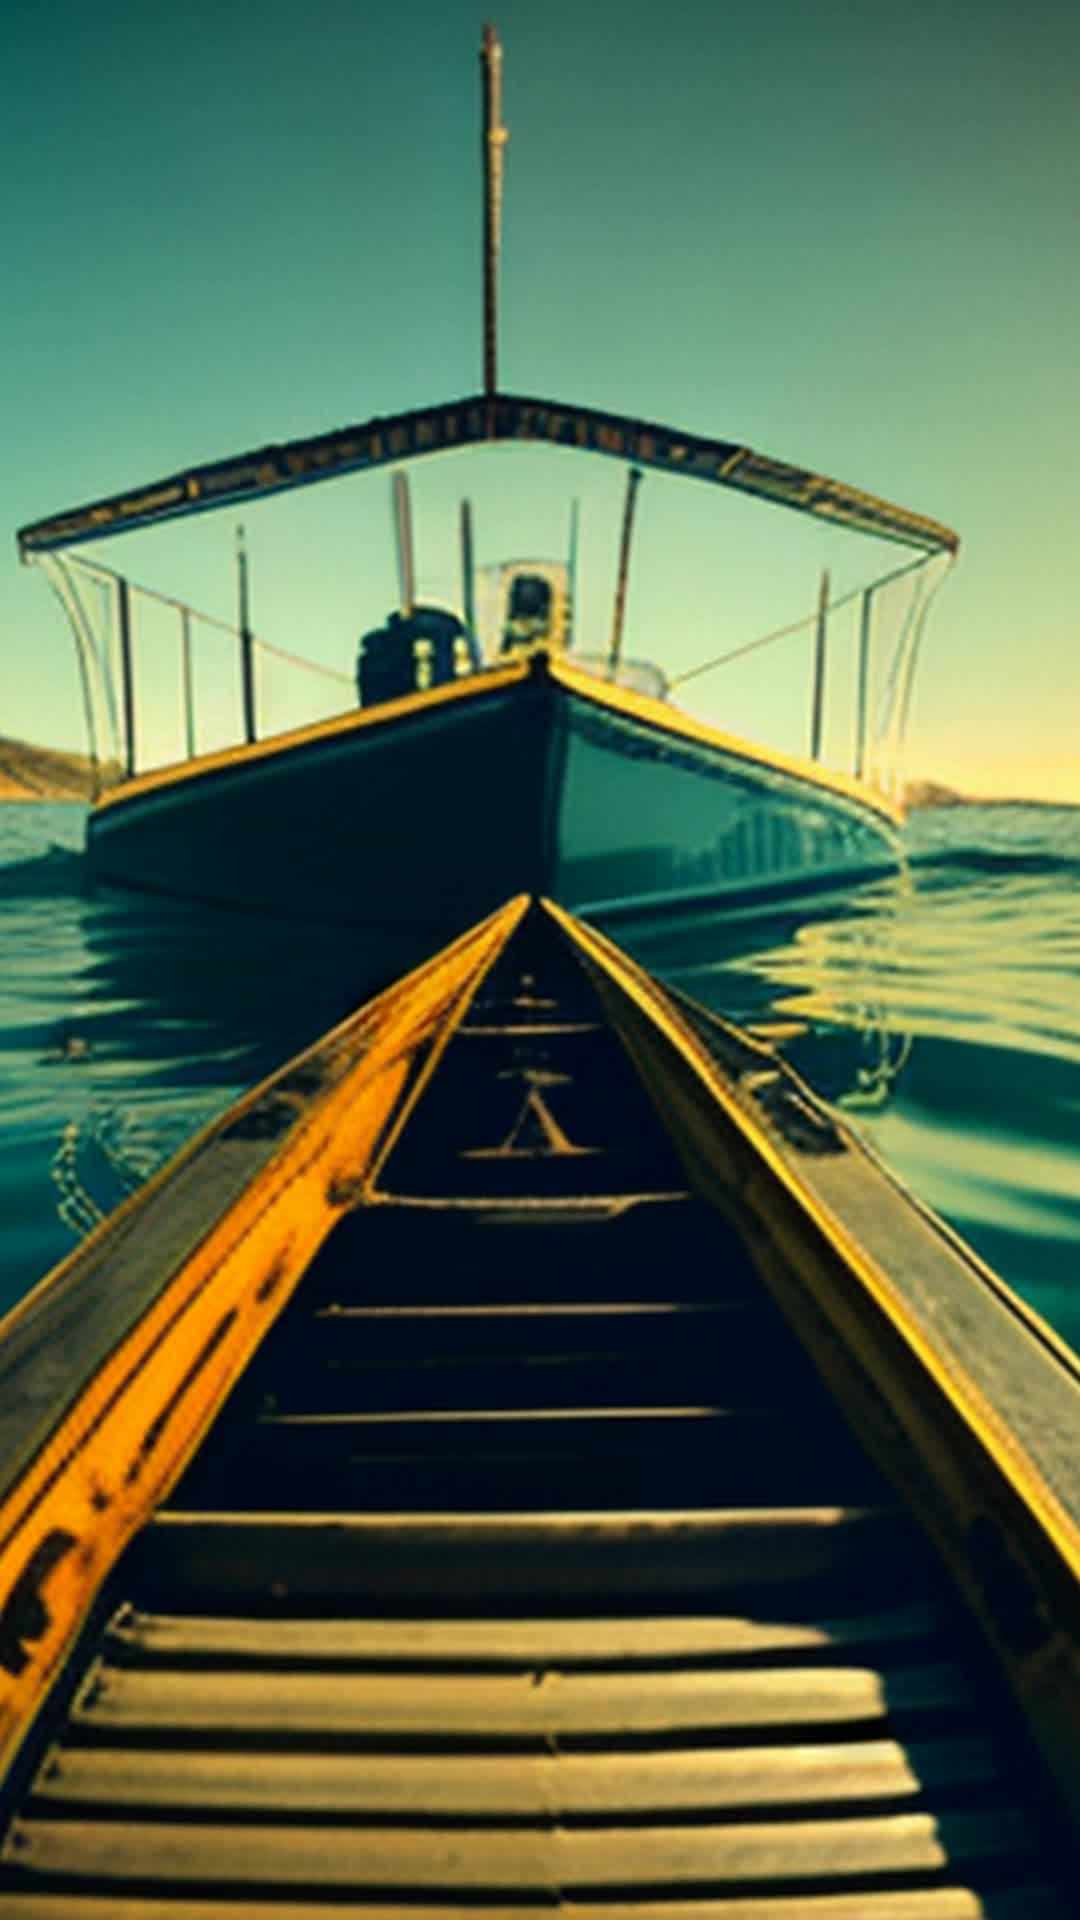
pixel 42 773
pixel 930 793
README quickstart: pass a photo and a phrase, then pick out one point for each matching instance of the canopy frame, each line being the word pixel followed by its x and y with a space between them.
pixel 483 419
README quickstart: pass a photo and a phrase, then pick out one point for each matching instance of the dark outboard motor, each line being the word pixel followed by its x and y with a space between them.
pixel 425 648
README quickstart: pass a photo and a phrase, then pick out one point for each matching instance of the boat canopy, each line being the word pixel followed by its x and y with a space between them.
pixel 484 418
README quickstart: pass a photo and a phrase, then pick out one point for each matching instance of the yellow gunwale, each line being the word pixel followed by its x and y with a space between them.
pixel 93 1482
pixel 349 1029
pixel 492 680
pixel 1009 1456
pixel 643 707
pixel 639 707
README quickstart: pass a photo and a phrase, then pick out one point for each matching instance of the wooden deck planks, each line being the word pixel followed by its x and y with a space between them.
pixel 542 1705
pixel 349 1557
pixel 532 1860
pixel 1026 1902
pixel 790 1742
pixel 513 1785
pixel 604 1640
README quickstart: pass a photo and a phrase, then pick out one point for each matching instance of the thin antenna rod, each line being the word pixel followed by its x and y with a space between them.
pixel 247 640
pixel 863 682
pixel 817 702
pixel 187 681
pixel 468 595
pixel 403 530
pixel 93 677
pixel 127 676
pixel 633 481
pixel 494 140
pixel 571 571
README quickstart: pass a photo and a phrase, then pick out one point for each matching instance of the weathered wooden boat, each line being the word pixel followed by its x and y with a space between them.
pixel 527 1454
pixel 520 753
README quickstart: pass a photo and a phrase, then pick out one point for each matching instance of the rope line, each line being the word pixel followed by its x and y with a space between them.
pixel 749 646
pixel 95 568
pixel 796 626
pixel 297 660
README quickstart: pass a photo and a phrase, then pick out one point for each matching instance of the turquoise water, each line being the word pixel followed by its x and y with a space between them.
pixel 942 1013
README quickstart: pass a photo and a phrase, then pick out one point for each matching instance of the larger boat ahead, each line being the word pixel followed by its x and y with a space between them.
pixel 492 735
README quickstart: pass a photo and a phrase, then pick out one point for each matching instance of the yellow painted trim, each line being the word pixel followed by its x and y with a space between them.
pixel 997 1439
pixel 348 1035
pixel 669 719
pixel 512 914
pixel 573 679
pixel 358 721
pixel 126 1439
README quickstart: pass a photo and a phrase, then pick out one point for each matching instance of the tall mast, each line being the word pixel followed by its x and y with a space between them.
pixel 494 139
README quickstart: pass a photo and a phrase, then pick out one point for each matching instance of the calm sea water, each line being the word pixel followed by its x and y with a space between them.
pixel 942 1013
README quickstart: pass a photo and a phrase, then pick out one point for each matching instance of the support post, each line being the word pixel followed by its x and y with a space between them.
pixel 468 593
pixel 188 682
pixel 571 571
pixel 127 677
pixel 494 140
pixel 863 685
pixel 633 481
pixel 403 535
pixel 817 701
pixel 247 639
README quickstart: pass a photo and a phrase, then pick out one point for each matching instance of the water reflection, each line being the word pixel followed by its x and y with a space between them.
pixel 941 1010
pixel 808 980
pixel 944 1014
pixel 126 1023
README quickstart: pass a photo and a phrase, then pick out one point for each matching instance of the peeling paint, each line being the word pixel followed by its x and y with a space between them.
pixel 25 1615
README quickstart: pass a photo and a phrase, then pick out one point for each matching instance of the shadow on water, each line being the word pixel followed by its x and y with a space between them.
pixel 244 988
pixel 43 875
pixel 941 1011
pixel 127 1022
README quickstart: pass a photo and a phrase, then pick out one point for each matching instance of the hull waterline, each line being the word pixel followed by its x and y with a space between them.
pixel 427 812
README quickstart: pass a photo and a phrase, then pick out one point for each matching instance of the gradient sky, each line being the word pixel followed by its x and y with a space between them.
pixel 846 234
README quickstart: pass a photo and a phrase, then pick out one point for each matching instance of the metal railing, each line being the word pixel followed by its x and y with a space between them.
pixel 164 682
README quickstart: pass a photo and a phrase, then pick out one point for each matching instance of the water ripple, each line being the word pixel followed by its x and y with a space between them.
pixel 942 1011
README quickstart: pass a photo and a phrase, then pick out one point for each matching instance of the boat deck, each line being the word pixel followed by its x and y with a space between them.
pixel 529 1566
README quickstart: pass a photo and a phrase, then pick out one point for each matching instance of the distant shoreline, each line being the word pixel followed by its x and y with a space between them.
pixel 43 773
pixel 920 794
pixel 46 773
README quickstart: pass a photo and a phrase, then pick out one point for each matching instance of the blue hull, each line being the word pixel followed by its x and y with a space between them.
pixel 430 812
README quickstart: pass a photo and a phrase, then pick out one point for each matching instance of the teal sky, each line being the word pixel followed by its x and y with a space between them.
pixel 847 235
